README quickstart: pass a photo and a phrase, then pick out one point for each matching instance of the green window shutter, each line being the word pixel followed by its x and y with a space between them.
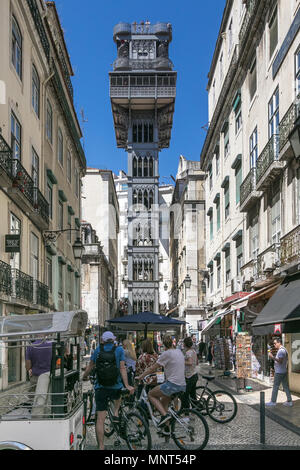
pixel 238 182
pixel 239 246
pixel 227 260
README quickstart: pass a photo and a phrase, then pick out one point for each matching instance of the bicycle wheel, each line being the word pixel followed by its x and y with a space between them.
pixel 221 406
pixel 136 431
pixel 90 405
pixel 190 430
pixel 202 396
pixel 108 426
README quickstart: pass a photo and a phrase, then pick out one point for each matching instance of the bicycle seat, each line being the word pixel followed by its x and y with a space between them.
pixel 208 377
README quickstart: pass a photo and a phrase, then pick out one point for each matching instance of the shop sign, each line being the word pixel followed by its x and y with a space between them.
pixel 277 329
pixel 12 243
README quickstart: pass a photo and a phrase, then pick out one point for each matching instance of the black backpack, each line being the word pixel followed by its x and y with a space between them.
pixel 107 371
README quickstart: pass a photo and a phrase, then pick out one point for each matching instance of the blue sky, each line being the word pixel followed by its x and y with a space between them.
pixel 88 28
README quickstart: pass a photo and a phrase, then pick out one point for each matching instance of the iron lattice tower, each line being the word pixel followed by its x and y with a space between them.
pixel 142 92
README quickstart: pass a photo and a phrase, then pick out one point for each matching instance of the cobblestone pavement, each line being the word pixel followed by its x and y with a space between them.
pixel 242 433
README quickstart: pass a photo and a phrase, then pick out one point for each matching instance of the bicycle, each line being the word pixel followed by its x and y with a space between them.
pixel 219 405
pixel 188 428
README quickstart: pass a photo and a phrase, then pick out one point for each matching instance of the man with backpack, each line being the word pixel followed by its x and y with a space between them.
pixel 109 362
pixel 281 374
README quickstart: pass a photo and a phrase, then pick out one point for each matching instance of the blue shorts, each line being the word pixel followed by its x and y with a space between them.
pixel 168 388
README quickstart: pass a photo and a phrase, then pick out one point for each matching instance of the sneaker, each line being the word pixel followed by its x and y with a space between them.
pixel 288 403
pixel 271 403
pixel 163 420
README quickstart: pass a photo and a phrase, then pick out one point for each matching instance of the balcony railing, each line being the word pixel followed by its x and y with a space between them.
pixel 243 34
pixel 5 278
pixel 41 205
pixel 66 110
pixel 22 286
pixel 287 124
pixel 42 294
pixel 197 195
pixel 268 156
pixel 39 26
pixel 21 181
pixel 248 185
pixel 290 247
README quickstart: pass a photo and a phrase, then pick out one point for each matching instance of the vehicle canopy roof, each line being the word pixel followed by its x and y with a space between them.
pixel 67 323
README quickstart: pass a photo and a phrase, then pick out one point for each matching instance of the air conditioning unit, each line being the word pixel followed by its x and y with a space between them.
pixel 268 262
pixel 248 274
pixel 236 285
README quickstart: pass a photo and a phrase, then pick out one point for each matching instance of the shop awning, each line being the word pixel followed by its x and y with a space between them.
pixel 241 303
pixel 215 320
pixel 282 312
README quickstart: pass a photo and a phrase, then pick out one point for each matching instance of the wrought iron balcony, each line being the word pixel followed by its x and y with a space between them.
pixel 41 205
pixel 268 167
pixel 290 247
pixel 41 294
pixel 39 26
pixel 22 286
pixel 5 278
pixel 197 195
pixel 249 194
pixel 22 181
pixel 66 110
pixel 250 13
pixel 285 128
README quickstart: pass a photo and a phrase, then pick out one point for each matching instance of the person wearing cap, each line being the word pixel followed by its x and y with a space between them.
pixel 104 394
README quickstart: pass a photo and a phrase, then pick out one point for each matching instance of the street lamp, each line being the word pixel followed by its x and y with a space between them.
pixel 294 138
pixel 78 248
pixel 188 281
pixel 50 236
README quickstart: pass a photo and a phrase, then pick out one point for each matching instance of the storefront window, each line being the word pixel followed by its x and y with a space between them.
pixel 295 352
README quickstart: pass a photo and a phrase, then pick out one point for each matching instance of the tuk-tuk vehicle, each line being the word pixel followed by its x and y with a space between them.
pixel 53 417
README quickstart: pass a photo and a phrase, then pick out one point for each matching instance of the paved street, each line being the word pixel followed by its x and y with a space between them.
pixel 242 433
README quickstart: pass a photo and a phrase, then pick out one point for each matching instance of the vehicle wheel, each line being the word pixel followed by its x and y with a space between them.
pixel 143 412
pixel 202 395
pixel 137 432
pixel 190 431
pixel 221 406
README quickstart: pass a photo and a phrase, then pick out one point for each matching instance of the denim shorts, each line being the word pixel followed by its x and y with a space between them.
pixel 168 388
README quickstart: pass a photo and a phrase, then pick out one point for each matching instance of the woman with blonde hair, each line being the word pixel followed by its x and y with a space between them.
pixel 130 360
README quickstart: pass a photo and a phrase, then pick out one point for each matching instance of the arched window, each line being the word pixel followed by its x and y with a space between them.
pixel 150 166
pixel 134 166
pixel 146 167
pixel 16 47
pixel 140 167
pixel 150 199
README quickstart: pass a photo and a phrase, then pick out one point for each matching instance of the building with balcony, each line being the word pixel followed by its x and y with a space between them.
pixel 253 103
pixel 187 245
pixel 142 93
pixel 41 164
pixel 100 209
pixel 96 278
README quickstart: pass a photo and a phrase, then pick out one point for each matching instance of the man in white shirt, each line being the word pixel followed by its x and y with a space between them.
pixel 280 364
pixel 172 360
